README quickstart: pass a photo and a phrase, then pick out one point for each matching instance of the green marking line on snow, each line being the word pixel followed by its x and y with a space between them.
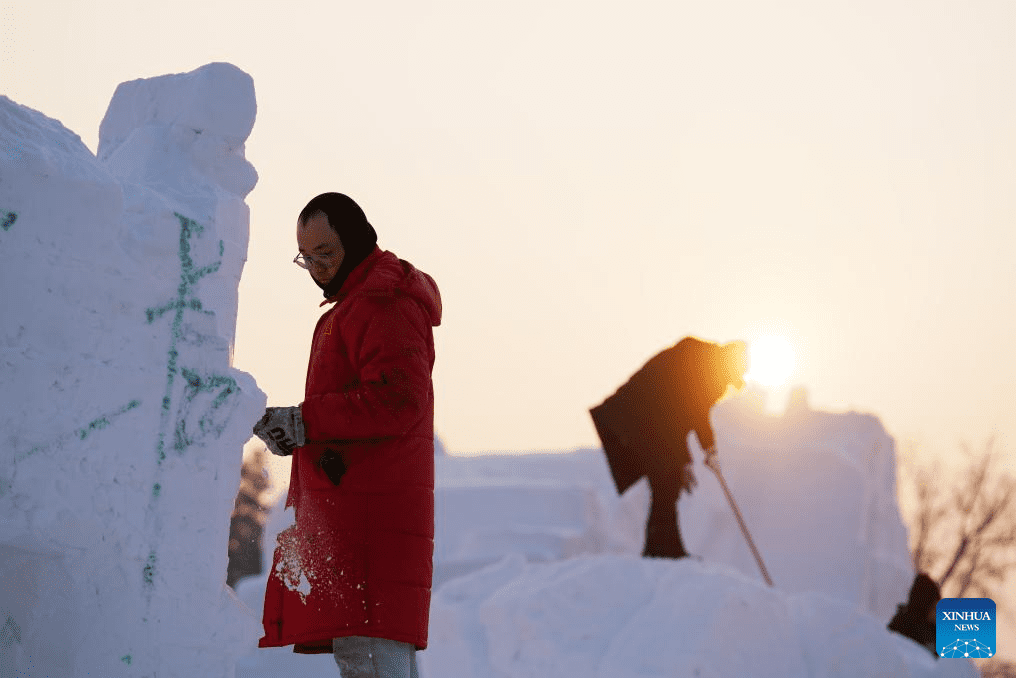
pixel 105 420
pixel 148 572
pixel 8 219
pixel 184 301
pixel 97 424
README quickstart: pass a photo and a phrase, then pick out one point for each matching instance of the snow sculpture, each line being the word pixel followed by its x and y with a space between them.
pixel 122 421
pixel 818 491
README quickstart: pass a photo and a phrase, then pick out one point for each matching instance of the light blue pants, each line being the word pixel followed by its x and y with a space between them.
pixel 364 657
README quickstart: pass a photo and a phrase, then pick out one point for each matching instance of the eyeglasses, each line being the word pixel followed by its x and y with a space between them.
pixel 307 260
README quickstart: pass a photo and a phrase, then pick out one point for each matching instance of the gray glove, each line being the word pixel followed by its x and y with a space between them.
pixel 282 430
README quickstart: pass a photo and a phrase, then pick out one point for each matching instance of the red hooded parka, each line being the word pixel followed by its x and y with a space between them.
pixel 358 560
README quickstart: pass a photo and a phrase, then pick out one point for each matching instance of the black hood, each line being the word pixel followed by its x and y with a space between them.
pixel 358 237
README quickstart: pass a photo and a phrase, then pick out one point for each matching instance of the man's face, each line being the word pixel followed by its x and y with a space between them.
pixel 321 246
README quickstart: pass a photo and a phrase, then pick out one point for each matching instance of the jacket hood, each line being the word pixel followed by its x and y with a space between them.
pixel 383 274
pixel 423 288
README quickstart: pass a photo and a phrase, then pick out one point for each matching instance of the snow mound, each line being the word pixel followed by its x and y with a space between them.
pixel 122 420
pixel 617 616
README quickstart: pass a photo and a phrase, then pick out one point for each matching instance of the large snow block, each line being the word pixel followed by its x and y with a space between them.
pixel 478 524
pixel 818 492
pixel 122 421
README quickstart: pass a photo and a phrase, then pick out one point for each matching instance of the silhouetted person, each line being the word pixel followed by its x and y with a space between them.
pixel 916 619
pixel 644 427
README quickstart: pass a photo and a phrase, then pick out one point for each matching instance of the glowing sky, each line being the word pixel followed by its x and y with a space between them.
pixel 589 182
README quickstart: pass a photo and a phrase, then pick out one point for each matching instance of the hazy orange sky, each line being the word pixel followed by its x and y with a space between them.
pixel 590 181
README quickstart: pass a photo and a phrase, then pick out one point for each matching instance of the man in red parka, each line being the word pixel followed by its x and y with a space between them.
pixel 352 576
pixel 644 427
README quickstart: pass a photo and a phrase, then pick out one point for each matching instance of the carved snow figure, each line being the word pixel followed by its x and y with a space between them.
pixel 122 420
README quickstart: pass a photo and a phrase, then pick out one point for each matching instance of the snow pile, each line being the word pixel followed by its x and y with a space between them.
pixel 122 420
pixel 537 567
pixel 628 617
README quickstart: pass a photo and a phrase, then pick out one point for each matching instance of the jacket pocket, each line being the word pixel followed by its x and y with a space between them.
pixel 332 465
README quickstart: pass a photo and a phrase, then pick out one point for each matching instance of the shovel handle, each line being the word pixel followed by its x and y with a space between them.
pixel 715 468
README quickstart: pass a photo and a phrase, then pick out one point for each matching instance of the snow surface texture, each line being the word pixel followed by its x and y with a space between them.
pixel 537 567
pixel 122 420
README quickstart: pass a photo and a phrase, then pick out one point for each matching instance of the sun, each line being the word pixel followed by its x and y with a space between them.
pixel 771 360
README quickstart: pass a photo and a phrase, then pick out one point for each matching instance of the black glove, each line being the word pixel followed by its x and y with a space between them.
pixel 332 464
pixel 282 430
